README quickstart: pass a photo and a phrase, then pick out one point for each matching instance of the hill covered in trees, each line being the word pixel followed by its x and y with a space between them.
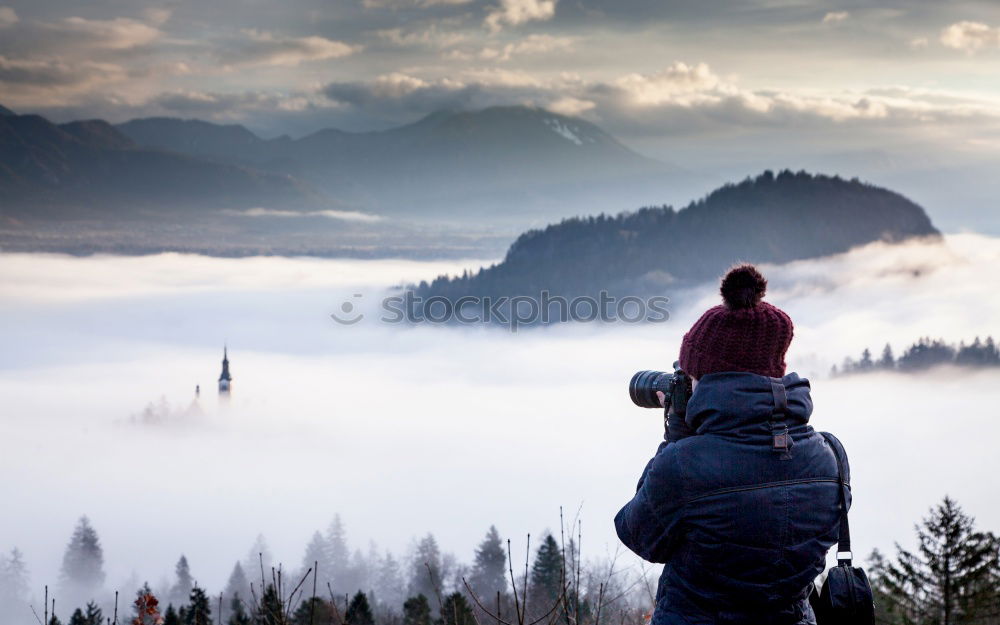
pixel 767 219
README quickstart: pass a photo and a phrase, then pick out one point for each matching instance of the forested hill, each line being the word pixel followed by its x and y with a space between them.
pixel 771 218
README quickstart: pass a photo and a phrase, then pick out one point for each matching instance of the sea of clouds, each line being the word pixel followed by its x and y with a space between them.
pixel 404 430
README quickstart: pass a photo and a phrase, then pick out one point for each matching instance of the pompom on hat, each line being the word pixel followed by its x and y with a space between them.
pixel 742 334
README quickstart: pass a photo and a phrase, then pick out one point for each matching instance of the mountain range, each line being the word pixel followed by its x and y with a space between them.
pixel 89 168
pixel 511 166
pixel 511 163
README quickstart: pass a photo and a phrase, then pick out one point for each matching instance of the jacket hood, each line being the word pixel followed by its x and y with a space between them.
pixel 733 401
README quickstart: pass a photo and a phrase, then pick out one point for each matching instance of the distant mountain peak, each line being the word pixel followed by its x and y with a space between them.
pixel 6 112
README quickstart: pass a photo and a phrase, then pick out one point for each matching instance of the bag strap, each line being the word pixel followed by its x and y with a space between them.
pixel 844 541
pixel 781 440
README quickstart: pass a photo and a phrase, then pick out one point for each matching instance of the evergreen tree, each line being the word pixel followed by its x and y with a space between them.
pixel 198 611
pixel 849 366
pixel 866 363
pixel 881 593
pixel 170 617
pixel 78 618
pixel 338 556
pixel 181 589
pixel 54 620
pixel 417 611
pixel 238 613
pixel 359 612
pixel 258 563
pixel 360 572
pixel 547 573
pixel 238 585
pixel 992 352
pixel 82 573
pixel 489 571
pixel 389 581
pixel 13 585
pixel 954 577
pixel 456 611
pixel 314 611
pixel 271 609
pixel 426 570
pixel 316 555
pixel 94 614
pixel 887 361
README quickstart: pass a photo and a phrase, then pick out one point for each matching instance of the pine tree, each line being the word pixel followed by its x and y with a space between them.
pixel 238 585
pixel 359 612
pixel 953 578
pixel 77 618
pixel 547 573
pixel 887 361
pixel 92 615
pixel 426 570
pixel 456 611
pixel 866 364
pixel 389 582
pixel 54 620
pixel 881 593
pixel 316 555
pixel 258 562
pixel 198 611
pixel 271 609
pixel 360 571
pixel 237 612
pixel 82 573
pixel 170 617
pixel 181 589
pixel 338 556
pixel 489 572
pixel 417 611
pixel 13 585
pixel 314 611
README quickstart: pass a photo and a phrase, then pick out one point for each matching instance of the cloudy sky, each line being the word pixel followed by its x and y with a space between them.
pixel 907 85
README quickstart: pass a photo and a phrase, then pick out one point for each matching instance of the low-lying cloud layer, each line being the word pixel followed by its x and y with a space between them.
pixel 369 419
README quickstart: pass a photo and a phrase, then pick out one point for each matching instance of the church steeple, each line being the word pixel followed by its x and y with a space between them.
pixel 225 380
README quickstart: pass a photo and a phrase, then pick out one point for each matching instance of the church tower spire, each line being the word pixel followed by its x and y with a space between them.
pixel 225 380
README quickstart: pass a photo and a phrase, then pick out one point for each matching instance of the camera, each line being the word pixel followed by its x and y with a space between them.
pixel 676 387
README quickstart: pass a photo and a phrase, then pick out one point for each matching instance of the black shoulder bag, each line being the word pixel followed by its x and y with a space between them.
pixel 846 597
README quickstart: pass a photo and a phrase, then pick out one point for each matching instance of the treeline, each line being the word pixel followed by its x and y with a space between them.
pixel 335 586
pixel 924 354
pixel 951 578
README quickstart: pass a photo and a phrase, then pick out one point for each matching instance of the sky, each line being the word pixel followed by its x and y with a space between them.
pixel 640 68
pixel 902 94
pixel 408 430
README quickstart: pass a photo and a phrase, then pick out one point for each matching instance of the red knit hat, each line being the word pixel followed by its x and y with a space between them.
pixel 743 334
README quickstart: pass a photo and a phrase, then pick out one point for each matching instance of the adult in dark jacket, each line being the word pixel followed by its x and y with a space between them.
pixel 741 500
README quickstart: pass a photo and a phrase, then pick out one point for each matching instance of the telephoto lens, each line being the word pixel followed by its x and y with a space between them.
pixel 642 389
pixel 675 386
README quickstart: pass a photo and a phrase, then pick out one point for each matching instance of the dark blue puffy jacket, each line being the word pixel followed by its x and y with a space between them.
pixel 742 528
